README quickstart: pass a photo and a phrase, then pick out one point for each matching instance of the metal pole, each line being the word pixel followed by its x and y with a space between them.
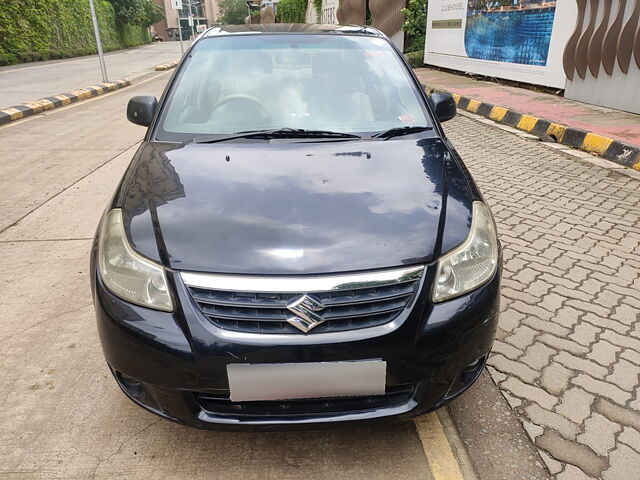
pixel 193 33
pixel 180 33
pixel 197 19
pixel 96 31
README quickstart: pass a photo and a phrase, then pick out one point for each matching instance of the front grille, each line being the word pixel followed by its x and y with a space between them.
pixel 349 305
pixel 394 396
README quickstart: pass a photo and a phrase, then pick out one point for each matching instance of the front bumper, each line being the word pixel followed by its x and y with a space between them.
pixel 175 366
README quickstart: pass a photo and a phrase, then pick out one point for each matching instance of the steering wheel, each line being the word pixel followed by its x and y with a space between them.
pixel 242 96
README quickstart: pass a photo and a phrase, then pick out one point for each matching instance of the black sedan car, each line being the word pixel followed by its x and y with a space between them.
pixel 295 242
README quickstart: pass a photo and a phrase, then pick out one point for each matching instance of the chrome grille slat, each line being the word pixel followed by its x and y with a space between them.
pixel 356 314
pixel 232 299
pixel 244 315
pixel 329 301
pixel 349 305
pixel 352 300
pixel 200 299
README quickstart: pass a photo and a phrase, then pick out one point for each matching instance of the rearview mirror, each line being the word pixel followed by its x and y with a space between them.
pixel 141 109
pixel 443 105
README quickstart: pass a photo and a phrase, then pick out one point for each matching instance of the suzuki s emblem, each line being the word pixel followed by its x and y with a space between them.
pixel 305 309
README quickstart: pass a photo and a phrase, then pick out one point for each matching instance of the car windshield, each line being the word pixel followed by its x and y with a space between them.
pixel 349 84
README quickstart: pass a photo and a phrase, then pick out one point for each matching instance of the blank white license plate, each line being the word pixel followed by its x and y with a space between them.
pixel 287 381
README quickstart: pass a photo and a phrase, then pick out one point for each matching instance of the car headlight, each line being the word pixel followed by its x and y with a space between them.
pixel 128 274
pixel 472 263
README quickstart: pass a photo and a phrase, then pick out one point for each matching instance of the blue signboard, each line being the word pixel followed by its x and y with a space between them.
pixel 518 33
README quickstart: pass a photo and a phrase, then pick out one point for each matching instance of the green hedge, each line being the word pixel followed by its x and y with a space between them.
pixel 132 36
pixel 32 30
pixel 291 11
pixel 415 59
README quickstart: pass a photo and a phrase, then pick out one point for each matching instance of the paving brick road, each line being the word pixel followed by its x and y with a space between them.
pixel 567 353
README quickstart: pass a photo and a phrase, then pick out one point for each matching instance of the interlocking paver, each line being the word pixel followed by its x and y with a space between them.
pixel 514 402
pixel 585 334
pixel 520 370
pixel 532 309
pixel 563 344
pixel 553 302
pixel 625 375
pixel 605 323
pixel 538 355
pixel 555 378
pixel 522 337
pixel 630 437
pixel 607 298
pixel 568 355
pixel 604 353
pixel 529 392
pixel 599 434
pixel 621 340
pixel 573 473
pixel 580 364
pixel 600 387
pixel 576 405
pixel 556 422
pixel 548 326
pixel 510 319
pixel 507 350
pixel 631 356
pixel 572 452
pixel 567 316
pixel 625 464
pixel 552 464
pixel 626 314
pixel 616 413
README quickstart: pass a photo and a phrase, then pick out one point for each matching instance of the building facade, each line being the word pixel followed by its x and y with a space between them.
pixel 204 13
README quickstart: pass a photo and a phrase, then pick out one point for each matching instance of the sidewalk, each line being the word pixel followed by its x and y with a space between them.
pixel 613 125
pixel 32 81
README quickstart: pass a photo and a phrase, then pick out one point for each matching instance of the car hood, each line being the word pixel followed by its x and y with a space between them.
pixel 295 208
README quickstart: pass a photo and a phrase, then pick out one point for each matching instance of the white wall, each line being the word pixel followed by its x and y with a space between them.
pixel 445 47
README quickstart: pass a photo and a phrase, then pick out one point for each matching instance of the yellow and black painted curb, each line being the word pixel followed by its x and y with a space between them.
pixel 166 66
pixel 619 152
pixel 31 108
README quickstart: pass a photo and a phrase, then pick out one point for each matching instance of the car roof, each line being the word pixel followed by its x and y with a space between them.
pixel 292 28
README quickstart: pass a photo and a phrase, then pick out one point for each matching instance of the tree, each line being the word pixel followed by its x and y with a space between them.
pixel 137 12
pixel 415 24
pixel 233 12
pixel 154 13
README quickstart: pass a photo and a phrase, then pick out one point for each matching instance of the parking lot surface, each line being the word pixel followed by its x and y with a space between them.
pixel 29 82
pixel 567 355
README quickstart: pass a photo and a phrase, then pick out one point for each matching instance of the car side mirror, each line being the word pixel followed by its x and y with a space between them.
pixel 141 109
pixel 443 105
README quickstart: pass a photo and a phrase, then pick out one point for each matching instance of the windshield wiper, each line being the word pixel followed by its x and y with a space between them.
pixel 399 131
pixel 275 133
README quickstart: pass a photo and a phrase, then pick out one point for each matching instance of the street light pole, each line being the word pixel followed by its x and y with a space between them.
pixel 96 31
pixel 193 33
pixel 180 33
pixel 197 19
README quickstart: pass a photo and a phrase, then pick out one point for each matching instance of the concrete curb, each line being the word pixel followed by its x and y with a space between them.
pixel 166 66
pixel 31 108
pixel 614 150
